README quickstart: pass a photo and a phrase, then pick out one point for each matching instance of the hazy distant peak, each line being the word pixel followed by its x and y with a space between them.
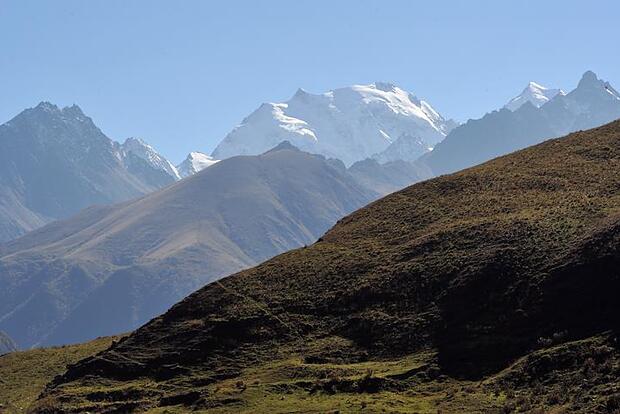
pixel 534 93
pixel 74 111
pixel 195 162
pixel 591 82
pixel 588 79
pixel 47 107
pixel 141 149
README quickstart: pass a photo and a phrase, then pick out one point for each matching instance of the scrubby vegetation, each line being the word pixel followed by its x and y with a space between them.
pixel 23 374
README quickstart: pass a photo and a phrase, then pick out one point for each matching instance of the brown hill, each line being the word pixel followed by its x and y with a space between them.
pixel 505 274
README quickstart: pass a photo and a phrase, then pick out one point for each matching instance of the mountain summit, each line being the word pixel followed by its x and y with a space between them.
pixel 350 124
pixel 144 151
pixel 534 93
pixel 194 163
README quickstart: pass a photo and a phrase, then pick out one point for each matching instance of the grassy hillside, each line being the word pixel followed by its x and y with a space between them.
pixel 491 289
pixel 23 374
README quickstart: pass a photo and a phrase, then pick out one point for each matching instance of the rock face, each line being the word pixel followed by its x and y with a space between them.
pixel 483 266
pixel 350 124
pixel 111 268
pixel 55 162
pixel 593 103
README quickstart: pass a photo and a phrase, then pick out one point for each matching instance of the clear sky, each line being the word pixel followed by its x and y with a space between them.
pixel 183 73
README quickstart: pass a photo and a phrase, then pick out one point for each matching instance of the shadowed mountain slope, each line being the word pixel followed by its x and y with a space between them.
pixel 110 269
pixel 517 257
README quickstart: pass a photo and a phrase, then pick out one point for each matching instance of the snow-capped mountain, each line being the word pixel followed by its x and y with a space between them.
pixel 534 93
pixel 195 162
pixel 351 124
pixel 143 150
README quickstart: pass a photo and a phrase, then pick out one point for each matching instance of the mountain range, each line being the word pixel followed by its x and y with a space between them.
pixel 592 103
pixel 146 254
pixel 493 289
pixel 57 162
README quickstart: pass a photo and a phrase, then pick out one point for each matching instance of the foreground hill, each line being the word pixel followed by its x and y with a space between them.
pixel 110 269
pixel 55 162
pixel 506 274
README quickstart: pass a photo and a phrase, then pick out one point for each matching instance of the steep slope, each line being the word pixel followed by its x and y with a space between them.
pixel 350 124
pixel 24 374
pixel 55 162
pixel 195 162
pixel 109 269
pixel 593 103
pixel 535 94
pixel 516 257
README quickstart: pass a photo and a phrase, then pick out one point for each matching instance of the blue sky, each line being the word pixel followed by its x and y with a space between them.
pixel 182 73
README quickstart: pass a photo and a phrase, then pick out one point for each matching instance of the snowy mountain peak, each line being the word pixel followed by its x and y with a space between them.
pixel 143 150
pixel 534 93
pixel 350 123
pixel 195 162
